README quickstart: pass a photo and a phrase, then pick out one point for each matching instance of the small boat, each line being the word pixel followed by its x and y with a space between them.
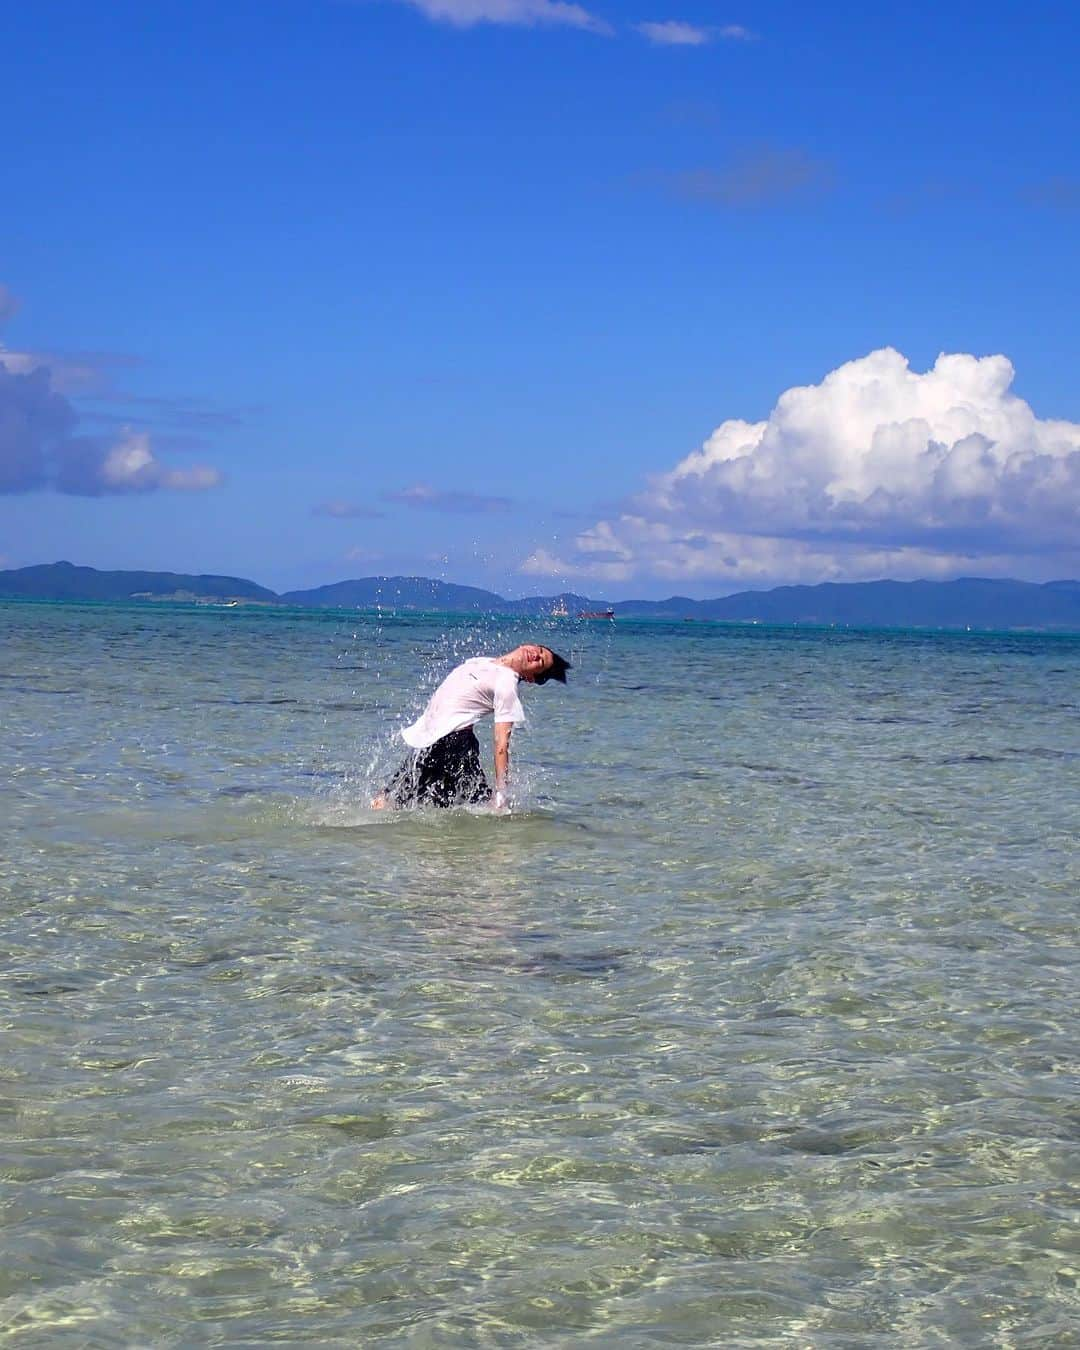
pixel 596 614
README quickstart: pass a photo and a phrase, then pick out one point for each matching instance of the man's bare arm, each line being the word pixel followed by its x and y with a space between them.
pixel 502 761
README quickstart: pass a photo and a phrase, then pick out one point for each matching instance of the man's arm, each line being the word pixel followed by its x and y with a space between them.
pixel 502 762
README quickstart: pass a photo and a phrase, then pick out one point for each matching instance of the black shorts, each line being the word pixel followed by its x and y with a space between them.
pixel 447 773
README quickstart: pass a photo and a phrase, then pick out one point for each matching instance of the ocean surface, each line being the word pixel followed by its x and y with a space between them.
pixel 756 1022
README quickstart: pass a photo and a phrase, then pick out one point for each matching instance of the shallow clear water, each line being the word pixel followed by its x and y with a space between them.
pixel 755 1024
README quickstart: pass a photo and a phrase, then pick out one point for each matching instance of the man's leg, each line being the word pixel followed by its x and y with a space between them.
pixel 401 790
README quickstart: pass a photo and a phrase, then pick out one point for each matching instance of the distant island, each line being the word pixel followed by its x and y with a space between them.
pixel 969 602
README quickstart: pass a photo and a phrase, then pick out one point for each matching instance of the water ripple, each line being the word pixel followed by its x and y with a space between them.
pixel 754 1024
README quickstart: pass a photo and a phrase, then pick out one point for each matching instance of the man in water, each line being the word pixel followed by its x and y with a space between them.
pixel 444 769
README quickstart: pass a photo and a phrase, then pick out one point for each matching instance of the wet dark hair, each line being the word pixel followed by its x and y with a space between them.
pixel 559 666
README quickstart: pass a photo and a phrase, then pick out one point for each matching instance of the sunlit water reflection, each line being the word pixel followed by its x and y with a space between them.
pixel 755 1023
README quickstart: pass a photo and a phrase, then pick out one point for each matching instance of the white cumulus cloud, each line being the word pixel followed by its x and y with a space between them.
pixel 878 470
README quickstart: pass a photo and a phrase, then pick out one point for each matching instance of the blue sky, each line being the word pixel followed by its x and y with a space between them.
pixel 472 288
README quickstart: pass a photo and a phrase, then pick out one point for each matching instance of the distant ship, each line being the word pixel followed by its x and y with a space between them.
pixel 559 610
pixel 596 614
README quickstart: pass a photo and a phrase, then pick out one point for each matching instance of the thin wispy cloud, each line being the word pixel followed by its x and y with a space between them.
pixel 1060 194
pixel 693 112
pixel 169 442
pixel 93 377
pixel 516 13
pixel 674 33
pixel 678 33
pixel 937 195
pixel 764 178
pixel 75 374
pixel 9 303
pixel 422 497
pixel 187 412
pixel 1056 194
pixel 342 510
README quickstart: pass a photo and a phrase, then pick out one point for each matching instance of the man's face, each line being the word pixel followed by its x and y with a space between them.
pixel 537 661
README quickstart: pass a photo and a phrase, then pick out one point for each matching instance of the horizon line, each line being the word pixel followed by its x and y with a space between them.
pixel 554 595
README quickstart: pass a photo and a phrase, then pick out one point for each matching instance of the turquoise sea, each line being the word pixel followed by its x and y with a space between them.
pixel 756 1023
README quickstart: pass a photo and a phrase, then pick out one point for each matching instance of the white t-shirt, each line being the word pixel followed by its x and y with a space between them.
pixel 476 688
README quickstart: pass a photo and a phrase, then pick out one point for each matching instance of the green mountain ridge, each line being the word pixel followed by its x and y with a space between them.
pixel 65 581
pixel 967 602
